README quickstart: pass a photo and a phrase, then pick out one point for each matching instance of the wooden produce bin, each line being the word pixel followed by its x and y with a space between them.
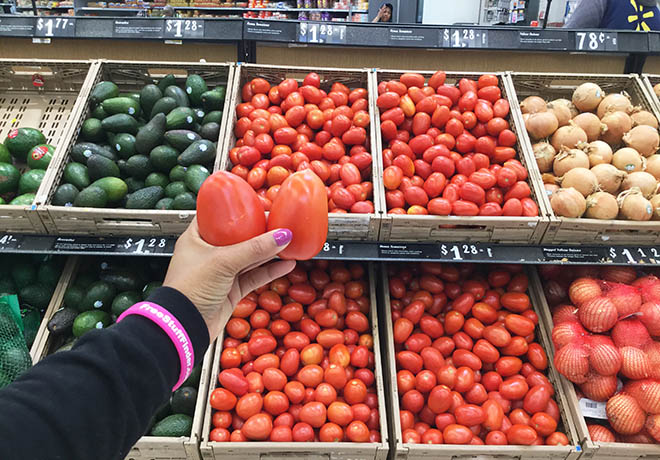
pixel 486 452
pixel 648 82
pixel 563 230
pixel 592 450
pixel 46 95
pixel 348 227
pixel 304 450
pixel 129 76
pixel 506 230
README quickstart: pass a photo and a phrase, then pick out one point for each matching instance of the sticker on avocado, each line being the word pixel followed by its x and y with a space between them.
pixel 203 147
pixel 87 153
pixel 39 152
pixel 189 90
pixel 13 133
pixel 189 119
pixel 131 111
pixel 99 325
pixel 191 136
pixel 98 304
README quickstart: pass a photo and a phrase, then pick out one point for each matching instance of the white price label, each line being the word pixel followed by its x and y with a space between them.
pixel 55 27
pixel 596 41
pixel 184 28
pixel 464 38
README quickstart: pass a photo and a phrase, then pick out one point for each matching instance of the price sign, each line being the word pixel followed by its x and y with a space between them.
pixel 156 245
pixel 183 28
pixel 465 252
pixel 634 255
pixel 593 409
pixel 55 27
pixel 596 41
pixel 464 38
pixel 313 32
pixel 9 242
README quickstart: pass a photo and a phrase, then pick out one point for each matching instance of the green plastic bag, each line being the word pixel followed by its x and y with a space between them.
pixel 14 354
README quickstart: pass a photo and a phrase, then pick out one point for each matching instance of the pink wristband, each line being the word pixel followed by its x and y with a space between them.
pixel 174 330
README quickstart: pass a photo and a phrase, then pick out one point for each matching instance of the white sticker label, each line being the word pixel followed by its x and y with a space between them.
pixel 117 147
pixel 131 110
pixel 87 153
pixel 203 147
pixel 593 409
pixel 189 90
pixel 99 325
pixel 191 136
pixel 189 119
pixel 98 304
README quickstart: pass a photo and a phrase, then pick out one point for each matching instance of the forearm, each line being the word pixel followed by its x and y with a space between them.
pixel 96 400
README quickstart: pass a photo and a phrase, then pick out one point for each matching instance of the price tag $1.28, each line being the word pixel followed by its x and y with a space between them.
pixel 184 28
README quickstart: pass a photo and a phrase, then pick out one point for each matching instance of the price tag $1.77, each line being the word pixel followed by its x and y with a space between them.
pixel 55 27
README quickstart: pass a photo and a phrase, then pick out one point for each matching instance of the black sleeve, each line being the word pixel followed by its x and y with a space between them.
pixel 95 401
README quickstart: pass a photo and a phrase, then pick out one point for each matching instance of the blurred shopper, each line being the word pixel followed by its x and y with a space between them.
pixel 384 13
pixel 640 15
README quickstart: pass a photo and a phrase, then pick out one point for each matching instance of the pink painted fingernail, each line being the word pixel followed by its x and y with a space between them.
pixel 282 236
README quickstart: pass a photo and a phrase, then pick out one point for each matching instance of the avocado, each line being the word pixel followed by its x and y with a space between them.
pixel 175 188
pixel 121 104
pixel 167 80
pixel 14 360
pixel 21 140
pixel 180 118
pixel 148 97
pixel 5 156
pixel 180 139
pixel 222 90
pixel 114 187
pixel 210 131
pixel 35 296
pixel 49 272
pixel 99 296
pixel 99 113
pixel 195 87
pixel 91 197
pixel 139 166
pixel 68 345
pixel 77 175
pixel 62 321
pixel 213 117
pixel 99 166
pixel 164 158
pixel 7 286
pixel 183 401
pixel 123 301
pixel 149 288
pixel 134 184
pixel 30 181
pixel 124 144
pixel 81 152
pixel 102 91
pixel 31 322
pixel 185 201
pixel 199 152
pixel 24 274
pixel 156 178
pixel 120 123
pixel 85 280
pixel 150 135
pixel 65 195
pixel 92 131
pixel 73 296
pixel 165 204
pixel 195 176
pixel 198 115
pixel 90 320
pixel 177 173
pixel 178 95
pixel 123 279
pixel 145 198
pixel 40 156
pixel 23 200
pixel 194 377
pixel 175 426
pixel 212 100
pixel 9 177
pixel 163 105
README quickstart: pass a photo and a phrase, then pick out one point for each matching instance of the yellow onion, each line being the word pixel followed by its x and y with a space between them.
pixel 628 159
pixel 601 205
pixel 568 202
pixel 568 159
pixel 655 204
pixel 599 152
pixel 581 179
pixel 587 97
pixel 614 103
pixel 533 104
pixel 644 139
pixel 545 155
pixel 609 178
pixel 653 166
pixel 633 206
pixel 643 181
pixel 561 111
pixel 590 124
pixel 618 123
pixel 541 125
pixel 568 136
pixel 644 117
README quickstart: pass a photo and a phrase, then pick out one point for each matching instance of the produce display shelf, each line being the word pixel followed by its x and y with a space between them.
pixel 317 450
pixel 505 230
pixel 592 450
pixel 562 230
pixel 41 94
pixel 405 451
pixel 128 75
pixel 349 226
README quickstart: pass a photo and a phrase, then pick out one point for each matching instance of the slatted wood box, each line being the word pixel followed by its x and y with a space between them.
pixel 46 95
pixel 563 230
pixel 510 230
pixel 129 76
pixel 347 227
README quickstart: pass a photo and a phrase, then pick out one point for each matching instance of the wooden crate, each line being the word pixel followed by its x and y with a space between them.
pixel 592 450
pixel 648 82
pixel 148 447
pixel 348 227
pixel 563 230
pixel 304 450
pixel 523 230
pixel 486 452
pixel 49 108
pixel 129 76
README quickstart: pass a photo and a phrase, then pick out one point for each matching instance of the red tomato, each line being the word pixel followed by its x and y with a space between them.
pixel 257 427
pixel 222 219
pixel 457 434
pixel 301 206
pixel 521 434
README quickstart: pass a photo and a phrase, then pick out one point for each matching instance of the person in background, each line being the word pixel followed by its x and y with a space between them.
pixel 640 15
pixel 96 400
pixel 384 13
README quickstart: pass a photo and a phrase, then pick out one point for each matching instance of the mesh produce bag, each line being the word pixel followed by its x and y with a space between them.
pixel 14 354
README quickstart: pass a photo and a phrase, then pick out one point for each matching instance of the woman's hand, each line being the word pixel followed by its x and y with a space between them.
pixel 216 278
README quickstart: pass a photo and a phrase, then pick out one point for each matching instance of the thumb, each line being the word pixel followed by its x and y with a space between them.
pixel 255 251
